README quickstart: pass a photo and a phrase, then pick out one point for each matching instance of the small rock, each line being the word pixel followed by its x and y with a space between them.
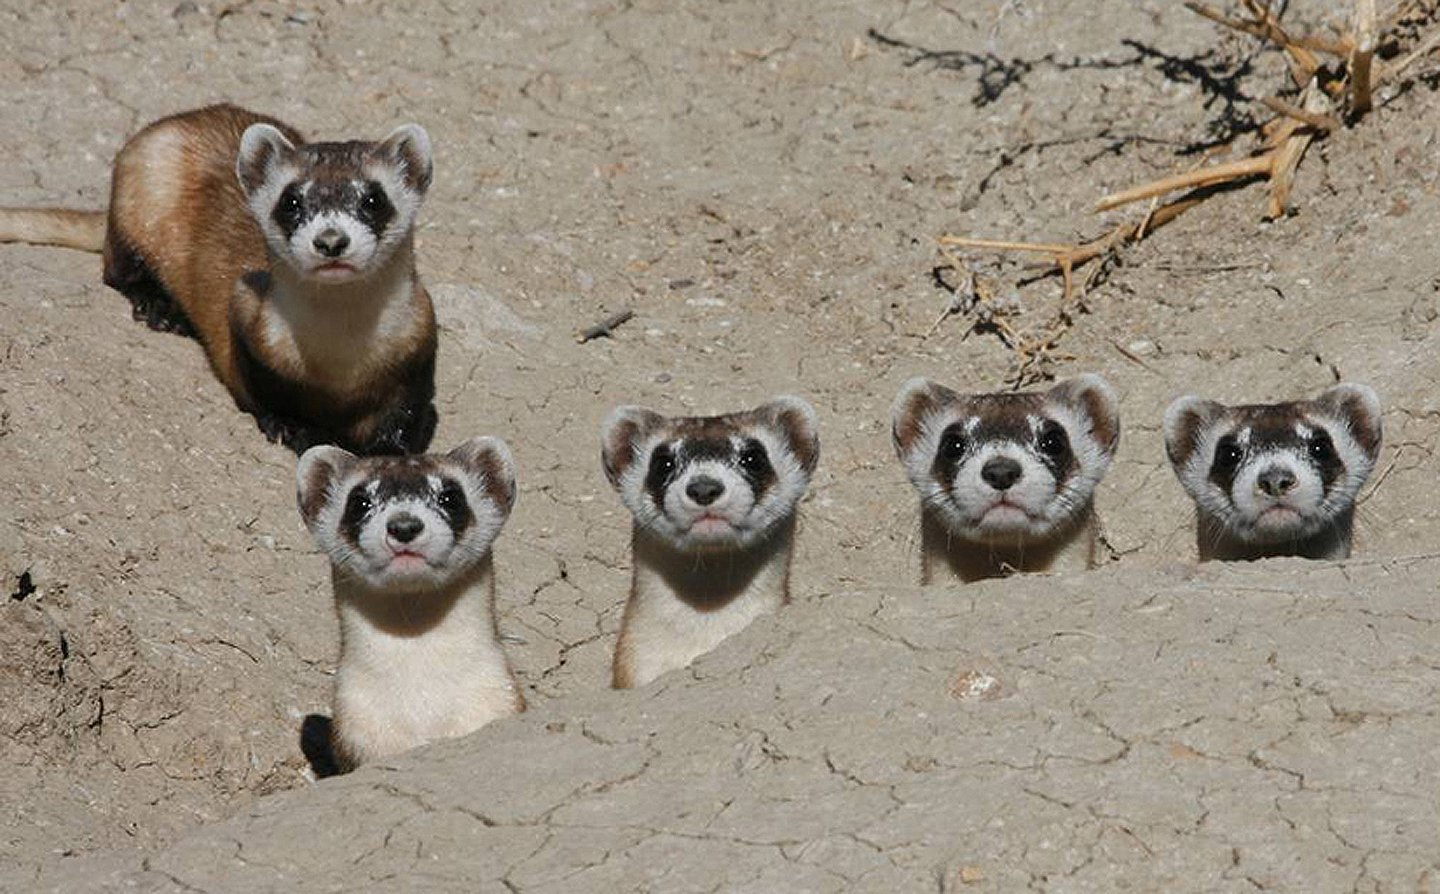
pixel 972 684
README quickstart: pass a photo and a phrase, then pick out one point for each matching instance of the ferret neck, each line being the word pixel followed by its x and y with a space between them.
pixel 1330 542
pixel 1071 548
pixel 712 579
pixel 461 605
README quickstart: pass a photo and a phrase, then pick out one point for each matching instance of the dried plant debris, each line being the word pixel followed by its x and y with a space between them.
pixel 1334 79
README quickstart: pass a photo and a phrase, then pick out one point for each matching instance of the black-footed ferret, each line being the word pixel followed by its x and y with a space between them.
pixel 1275 479
pixel 713 500
pixel 291 262
pixel 1006 480
pixel 409 541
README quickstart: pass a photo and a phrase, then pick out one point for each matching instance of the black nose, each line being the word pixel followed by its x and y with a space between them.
pixel 331 243
pixel 704 490
pixel 1000 472
pixel 404 527
pixel 1277 481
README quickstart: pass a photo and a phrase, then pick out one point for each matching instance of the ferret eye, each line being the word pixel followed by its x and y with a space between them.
pixel 753 458
pixel 289 208
pixel 451 497
pixel 374 204
pixel 662 463
pixel 1227 454
pixel 1053 441
pixel 358 503
pixel 1321 448
pixel 952 444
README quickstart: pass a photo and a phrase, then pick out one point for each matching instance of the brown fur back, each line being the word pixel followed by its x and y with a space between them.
pixel 177 210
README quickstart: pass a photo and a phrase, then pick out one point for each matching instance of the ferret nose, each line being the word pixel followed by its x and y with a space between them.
pixel 704 490
pixel 331 242
pixel 1277 481
pixel 1001 472
pixel 404 527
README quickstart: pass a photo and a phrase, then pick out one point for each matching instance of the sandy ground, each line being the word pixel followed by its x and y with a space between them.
pixel 763 183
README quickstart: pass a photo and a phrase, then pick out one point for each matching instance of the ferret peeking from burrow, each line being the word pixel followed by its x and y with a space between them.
pixel 1006 480
pixel 1275 479
pixel 713 500
pixel 409 541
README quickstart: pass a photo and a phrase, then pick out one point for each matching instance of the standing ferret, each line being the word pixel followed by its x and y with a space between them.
pixel 713 500
pixel 1006 480
pixel 291 262
pixel 409 541
pixel 1275 479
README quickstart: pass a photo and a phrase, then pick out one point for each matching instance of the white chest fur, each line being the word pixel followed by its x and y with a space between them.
pixel 415 668
pixel 332 335
pixel 682 605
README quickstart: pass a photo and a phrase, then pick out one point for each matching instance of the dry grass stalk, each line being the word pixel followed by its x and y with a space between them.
pixel 1288 154
pixel 1324 123
pixel 1221 173
pixel 1035 351
pixel 1303 63
pixel 1287 138
pixel 1361 55
pixel 1284 142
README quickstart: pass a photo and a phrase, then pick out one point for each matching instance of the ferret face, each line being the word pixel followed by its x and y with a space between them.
pixel 334 212
pixel 406 523
pixel 712 482
pixel 1275 472
pixel 1008 467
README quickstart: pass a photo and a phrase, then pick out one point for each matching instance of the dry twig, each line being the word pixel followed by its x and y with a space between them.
pixel 1285 140
pixel 1360 57
pixel 605 326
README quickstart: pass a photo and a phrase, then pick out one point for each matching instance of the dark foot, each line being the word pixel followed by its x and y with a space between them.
pixel 127 273
pixel 295 436
pixel 402 433
pixel 315 744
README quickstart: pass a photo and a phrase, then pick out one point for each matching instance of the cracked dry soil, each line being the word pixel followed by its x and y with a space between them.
pixel 762 182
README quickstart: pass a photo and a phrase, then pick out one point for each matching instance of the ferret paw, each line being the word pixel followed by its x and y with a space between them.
pixel 290 434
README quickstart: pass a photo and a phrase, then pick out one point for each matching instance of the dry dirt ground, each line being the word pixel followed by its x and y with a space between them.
pixel 763 183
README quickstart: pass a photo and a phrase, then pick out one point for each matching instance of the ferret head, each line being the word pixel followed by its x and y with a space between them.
pixel 1009 467
pixel 1271 473
pixel 406 523
pixel 712 482
pixel 334 212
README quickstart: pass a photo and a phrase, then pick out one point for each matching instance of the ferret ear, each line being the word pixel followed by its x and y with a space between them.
pixel 408 147
pixel 1097 399
pixel 619 434
pixel 1185 422
pixel 918 398
pixel 1359 407
pixel 491 465
pixel 261 146
pixel 796 418
pixel 319 472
